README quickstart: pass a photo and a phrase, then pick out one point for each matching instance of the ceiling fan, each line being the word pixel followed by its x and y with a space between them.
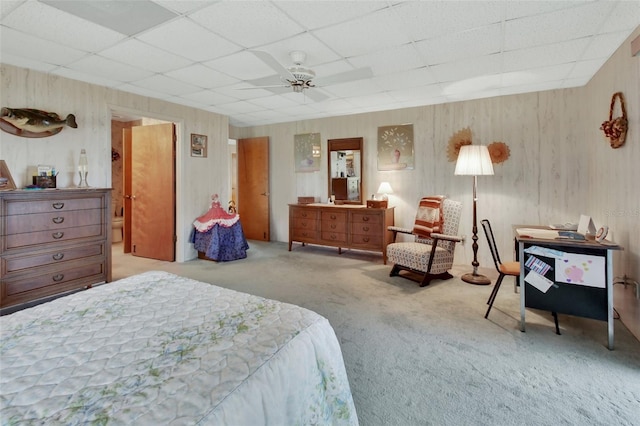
pixel 299 77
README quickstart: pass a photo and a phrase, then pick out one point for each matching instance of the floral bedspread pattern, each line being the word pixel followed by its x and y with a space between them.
pixel 157 348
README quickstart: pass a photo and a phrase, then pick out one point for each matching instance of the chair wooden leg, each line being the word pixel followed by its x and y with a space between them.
pixel 394 271
pixel 493 295
pixel 555 320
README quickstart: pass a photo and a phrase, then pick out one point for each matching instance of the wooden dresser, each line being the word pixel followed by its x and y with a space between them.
pixel 345 226
pixel 53 241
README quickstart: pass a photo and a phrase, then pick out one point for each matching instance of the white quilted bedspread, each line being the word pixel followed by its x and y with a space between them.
pixel 159 349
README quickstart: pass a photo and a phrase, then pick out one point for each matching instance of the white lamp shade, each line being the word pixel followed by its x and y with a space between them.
pixel 474 160
pixel 385 188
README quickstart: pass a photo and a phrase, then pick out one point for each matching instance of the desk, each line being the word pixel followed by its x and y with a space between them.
pixel 585 290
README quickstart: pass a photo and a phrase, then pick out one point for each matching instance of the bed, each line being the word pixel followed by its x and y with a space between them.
pixel 157 348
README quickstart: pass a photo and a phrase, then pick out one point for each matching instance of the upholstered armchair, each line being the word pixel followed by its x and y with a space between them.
pixel 435 235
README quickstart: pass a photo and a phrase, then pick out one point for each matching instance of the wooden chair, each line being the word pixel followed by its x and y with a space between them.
pixel 509 268
pixel 432 257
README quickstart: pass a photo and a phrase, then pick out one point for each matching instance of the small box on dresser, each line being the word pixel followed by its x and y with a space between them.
pixel 53 242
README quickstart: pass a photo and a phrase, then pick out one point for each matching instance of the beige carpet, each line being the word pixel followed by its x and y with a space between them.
pixel 426 356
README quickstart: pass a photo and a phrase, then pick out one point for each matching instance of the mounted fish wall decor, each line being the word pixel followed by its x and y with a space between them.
pixel 33 123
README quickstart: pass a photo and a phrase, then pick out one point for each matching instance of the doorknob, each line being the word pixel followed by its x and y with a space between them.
pixel 133 197
pixel 266 194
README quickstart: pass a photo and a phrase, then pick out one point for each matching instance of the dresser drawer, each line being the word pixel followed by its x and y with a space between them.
pixel 303 223
pixel 334 237
pixel 19 290
pixel 304 213
pixel 366 217
pixel 334 216
pixel 334 226
pixel 13 241
pixel 304 235
pixel 18 224
pixel 366 228
pixel 53 205
pixel 366 241
pixel 11 264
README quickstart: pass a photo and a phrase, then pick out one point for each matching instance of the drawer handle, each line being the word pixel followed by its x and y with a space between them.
pixel 365 218
pixel 58 205
pixel 333 216
pixel 58 277
pixel 333 237
pixel 58 256
pixel 58 219
pixel 304 214
pixel 333 226
pixel 365 228
pixel 57 235
pixel 365 239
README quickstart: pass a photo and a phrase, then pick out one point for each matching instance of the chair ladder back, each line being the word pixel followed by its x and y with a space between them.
pixel 492 243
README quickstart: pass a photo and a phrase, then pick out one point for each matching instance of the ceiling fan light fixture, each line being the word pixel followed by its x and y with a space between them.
pixel 301 73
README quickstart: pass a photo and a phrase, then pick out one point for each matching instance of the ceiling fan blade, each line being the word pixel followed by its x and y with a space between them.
pixel 315 95
pixel 343 77
pixel 271 80
pixel 275 65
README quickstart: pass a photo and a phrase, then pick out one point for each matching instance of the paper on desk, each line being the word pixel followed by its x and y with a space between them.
pixel 538 281
pixel 544 251
pixel 545 234
pixel 581 269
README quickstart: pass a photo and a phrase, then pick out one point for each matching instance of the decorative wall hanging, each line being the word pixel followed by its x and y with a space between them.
pixel 115 155
pixel 395 147
pixel 616 128
pixel 306 153
pixel 499 152
pixel 198 145
pixel 33 123
pixel 457 141
pixel 6 181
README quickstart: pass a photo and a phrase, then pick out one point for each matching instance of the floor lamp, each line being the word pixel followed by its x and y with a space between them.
pixel 474 160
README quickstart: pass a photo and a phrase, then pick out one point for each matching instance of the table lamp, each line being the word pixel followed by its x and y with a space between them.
pixel 474 160
pixel 385 190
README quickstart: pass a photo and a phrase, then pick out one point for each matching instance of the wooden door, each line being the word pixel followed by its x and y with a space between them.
pixel 153 205
pixel 253 187
pixel 126 189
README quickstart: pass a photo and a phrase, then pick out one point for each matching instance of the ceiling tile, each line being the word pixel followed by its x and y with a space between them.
pixel 468 68
pixel 454 47
pixel 26 46
pixel 167 85
pixel 391 60
pixel 124 17
pixel 313 15
pixel 202 76
pixel 49 23
pixel 259 23
pixel 378 30
pixel 558 53
pixel 109 69
pixel 177 37
pixel 143 56
pixel 92 78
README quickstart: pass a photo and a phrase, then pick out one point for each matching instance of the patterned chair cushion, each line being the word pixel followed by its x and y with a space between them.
pixel 415 255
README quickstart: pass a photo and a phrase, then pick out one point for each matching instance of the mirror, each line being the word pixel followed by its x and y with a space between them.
pixel 345 170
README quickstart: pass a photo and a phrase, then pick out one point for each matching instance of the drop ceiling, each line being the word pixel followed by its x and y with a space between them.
pixel 199 53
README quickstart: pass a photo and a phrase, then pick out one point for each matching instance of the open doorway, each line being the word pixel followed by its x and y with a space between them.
pixel 128 209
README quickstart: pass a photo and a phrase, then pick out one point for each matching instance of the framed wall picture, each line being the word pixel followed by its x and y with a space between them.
pixel 6 181
pixel 395 147
pixel 198 145
pixel 307 152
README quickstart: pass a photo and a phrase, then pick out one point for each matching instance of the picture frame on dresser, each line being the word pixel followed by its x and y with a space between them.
pixel 6 180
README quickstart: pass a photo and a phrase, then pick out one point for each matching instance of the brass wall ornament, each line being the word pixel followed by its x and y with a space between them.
pixel 616 128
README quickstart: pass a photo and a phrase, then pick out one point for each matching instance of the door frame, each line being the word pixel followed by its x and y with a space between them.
pixel 182 236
